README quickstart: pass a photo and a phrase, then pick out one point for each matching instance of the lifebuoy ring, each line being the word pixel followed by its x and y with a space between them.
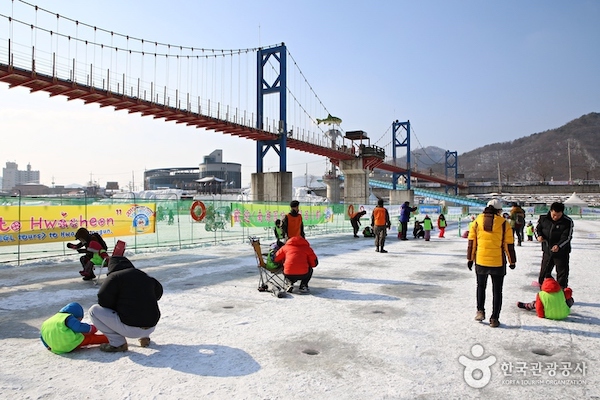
pixel 194 213
pixel 350 210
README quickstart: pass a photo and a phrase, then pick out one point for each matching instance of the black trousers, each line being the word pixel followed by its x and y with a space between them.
pixel 354 226
pixel 497 284
pixel 519 232
pixel 562 268
pixel 404 230
pixel 304 279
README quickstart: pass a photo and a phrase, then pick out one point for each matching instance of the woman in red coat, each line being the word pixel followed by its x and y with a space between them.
pixel 298 260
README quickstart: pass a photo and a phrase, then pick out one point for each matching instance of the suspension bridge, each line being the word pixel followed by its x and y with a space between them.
pixel 213 89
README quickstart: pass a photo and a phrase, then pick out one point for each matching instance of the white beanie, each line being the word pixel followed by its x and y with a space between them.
pixel 495 203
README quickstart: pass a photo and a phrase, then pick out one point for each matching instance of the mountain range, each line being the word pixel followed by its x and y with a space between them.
pixel 570 152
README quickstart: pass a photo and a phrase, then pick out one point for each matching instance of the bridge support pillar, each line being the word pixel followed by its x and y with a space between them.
pixel 271 186
pixel 356 181
pixel 334 192
pixel 400 196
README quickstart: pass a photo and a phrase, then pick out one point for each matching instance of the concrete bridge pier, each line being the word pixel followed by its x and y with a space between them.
pixel 400 196
pixel 334 191
pixel 271 186
pixel 356 181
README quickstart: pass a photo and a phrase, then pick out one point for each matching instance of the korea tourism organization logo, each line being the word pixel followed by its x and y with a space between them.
pixel 478 371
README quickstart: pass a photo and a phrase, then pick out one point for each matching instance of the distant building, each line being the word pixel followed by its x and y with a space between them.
pixel 12 177
pixel 186 178
pixel 171 178
pixel 230 173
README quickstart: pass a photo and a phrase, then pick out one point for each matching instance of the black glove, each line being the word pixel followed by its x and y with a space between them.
pixel 470 265
pixel 71 245
pixel 512 266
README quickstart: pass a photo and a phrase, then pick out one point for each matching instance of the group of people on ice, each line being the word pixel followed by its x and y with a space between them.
pixel 128 298
pixel 490 231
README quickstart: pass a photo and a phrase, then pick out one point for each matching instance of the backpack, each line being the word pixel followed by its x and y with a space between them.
pixel 271 264
pixel 96 237
pixel 520 219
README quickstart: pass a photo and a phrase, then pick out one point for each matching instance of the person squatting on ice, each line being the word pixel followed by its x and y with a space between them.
pixel 127 305
pixel 491 242
pixel 355 221
pixel 555 231
pixel 94 248
pixel 298 260
pixel 64 331
pixel 551 302
pixel 380 222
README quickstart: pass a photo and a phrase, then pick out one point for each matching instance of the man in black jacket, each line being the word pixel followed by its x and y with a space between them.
pixel 127 305
pixel 555 231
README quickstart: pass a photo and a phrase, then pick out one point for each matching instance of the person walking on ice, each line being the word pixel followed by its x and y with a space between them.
pixel 441 223
pixel 491 243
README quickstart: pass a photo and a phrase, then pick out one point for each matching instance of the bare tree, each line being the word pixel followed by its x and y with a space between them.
pixel 542 167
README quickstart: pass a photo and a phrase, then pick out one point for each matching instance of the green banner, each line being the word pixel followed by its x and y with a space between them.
pixel 264 215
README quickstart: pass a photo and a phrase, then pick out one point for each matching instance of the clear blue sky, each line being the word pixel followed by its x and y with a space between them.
pixel 465 73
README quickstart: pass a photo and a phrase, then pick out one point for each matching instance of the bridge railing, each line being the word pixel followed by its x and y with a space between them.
pixel 113 81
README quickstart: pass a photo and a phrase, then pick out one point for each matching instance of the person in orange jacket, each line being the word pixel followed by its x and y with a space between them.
pixel 380 222
pixel 355 221
pixel 298 260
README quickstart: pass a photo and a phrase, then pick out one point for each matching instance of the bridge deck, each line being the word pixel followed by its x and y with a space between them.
pixel 16 77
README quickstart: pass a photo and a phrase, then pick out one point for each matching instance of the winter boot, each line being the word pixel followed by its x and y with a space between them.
pixel 480 316
pixel 106 347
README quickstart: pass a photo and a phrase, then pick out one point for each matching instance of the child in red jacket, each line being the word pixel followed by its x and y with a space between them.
pixel 551 302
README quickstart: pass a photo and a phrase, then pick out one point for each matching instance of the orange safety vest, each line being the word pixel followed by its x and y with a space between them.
pixel 379 216
pixel 294 225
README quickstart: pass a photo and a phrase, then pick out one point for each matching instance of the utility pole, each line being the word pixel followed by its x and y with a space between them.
pixel 499 179
pixel 569 152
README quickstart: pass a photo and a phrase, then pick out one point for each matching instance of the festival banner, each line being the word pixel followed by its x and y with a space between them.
pixel 45 224
pixel 264 215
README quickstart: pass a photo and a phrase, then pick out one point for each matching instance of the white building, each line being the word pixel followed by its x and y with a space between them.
pixel 11 176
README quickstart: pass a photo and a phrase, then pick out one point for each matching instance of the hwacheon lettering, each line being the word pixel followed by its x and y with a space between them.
pixel 42 224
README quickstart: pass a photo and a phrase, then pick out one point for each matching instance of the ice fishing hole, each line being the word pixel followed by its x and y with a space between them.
pixel 227 306
pixel 541 352
pixel 378 312
pixel 311 352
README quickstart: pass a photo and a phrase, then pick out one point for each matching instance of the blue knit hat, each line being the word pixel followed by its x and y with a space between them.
pixel 74 309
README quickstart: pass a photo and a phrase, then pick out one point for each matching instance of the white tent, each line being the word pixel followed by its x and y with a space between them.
pixel 575 201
